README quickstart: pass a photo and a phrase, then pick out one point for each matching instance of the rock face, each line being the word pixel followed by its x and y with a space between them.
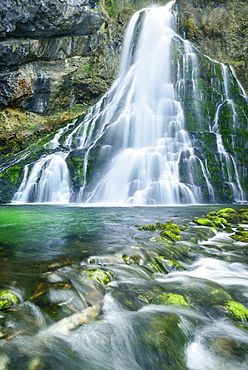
pixel 49 51
pixel 219 29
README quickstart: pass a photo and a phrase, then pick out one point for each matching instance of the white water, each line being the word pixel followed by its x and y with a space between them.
pixel 139 126
pixel 150 124
pixel 48 182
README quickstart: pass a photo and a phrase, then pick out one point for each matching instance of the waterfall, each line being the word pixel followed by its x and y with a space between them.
pixel 47 182
pixel 139 144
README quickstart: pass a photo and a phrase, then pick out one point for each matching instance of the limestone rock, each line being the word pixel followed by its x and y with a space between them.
pixel 54 54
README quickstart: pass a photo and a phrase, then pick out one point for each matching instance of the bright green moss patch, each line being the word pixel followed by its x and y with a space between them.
pixel 230 215
pixel 241 236
pixel 171 299
pixel 236 310
pixel 170 235
pixel 7 299
pixel 100 276
pixel 149 227
pixel 169 230
pixel 204 222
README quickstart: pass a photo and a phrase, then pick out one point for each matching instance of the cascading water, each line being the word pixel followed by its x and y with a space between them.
pixel 138 144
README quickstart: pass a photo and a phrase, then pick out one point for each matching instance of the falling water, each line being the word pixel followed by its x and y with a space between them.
pixel 134 144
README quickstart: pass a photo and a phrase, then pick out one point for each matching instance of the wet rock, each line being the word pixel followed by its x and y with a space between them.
pixel 240 236
pixel 170 230
pixel 7 299
pixel 229 214
pixel 72 322
pixel 236 310
pixel 204 222
pixel 160 336
pixel 170 299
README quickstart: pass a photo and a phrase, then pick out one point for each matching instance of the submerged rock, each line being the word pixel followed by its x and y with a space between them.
pixel 72 322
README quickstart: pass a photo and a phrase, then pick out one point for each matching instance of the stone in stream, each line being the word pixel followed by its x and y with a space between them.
pixel 72 322
pixel 7 299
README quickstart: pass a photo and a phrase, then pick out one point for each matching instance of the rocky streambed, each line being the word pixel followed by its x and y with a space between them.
pixel 162 295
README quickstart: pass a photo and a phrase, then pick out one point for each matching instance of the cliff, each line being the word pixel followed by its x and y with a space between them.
pixel 218 29
pixel 48 53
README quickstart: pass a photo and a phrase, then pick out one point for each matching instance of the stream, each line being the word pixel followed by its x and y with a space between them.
pixel 97 292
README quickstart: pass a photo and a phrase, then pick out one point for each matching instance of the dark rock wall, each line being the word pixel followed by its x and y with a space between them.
pixel 219 29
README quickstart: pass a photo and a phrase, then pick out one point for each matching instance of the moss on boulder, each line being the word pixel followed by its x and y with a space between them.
pixel 171 299
pixel 7 299
pixel 229 214
pixel 240 236
pixel 236 310
pixel 204 222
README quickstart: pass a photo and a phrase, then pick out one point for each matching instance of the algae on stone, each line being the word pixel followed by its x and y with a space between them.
pixel 236 310
pixel 7 299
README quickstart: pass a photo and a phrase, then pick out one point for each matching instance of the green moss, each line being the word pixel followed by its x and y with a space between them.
pixel 149 227
pixel 219 222
pixel 170 230
pixel 171 299
pixel 100 276
pixel 170 234
pixel 236 310
pixel 230 215
pixel 241 236
pixel 7 299
pixel 13 174
pixel 204 222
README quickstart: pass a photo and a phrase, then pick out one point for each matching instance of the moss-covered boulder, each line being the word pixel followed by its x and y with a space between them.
pixel 170 299
pixel 170 231
pixel 229 214
pixel 149 227
pixel 244 215
pixel 161 341
pixel 7 299
pixel 236 311
pixel 240 236
pixel 102 277
pixel 204 222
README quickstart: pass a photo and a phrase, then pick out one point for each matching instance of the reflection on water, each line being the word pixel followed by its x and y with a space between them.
pixel 118 284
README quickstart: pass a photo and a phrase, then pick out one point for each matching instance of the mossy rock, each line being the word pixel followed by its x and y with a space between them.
pixel 161 341
pixel 102 277
pixel 170 299
pixel 149 227
pixel 219 222
pixel 170 231
pixel 241 236
pixel 244 215
pixel 236 311
pixel 204 222
pixel 7 299
pixel 230 215
pixel 170 265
